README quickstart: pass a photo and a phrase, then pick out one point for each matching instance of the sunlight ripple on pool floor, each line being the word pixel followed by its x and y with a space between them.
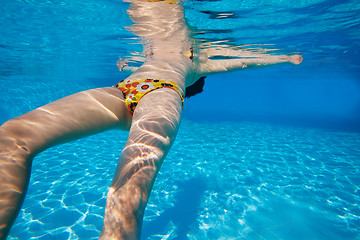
pixel 220 181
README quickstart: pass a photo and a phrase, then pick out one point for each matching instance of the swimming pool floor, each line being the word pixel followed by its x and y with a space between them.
pixel 220 181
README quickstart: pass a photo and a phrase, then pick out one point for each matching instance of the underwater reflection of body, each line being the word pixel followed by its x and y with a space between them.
pixel 148 103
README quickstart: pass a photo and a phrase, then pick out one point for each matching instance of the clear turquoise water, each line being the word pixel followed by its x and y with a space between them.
pixel 238 180
pixel 276 159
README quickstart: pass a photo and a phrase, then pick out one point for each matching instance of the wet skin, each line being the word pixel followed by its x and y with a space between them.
pixel 152 127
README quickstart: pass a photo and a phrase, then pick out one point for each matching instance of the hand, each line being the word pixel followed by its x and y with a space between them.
pixel 122 64
pixel 295 59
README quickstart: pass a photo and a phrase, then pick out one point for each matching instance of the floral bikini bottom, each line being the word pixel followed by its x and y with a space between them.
pixel 134 89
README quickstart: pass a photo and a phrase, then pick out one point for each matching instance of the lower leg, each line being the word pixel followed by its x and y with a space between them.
pixel 125 206
pixel 15 164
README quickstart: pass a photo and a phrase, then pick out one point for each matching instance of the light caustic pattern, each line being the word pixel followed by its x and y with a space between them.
pixel 219 181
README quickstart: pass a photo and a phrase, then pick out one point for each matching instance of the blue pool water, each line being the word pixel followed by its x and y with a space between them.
pixel 226 180
pixel 275 156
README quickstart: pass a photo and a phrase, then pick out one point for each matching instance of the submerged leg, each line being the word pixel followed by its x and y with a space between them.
pixel 23 137
pixel 155 124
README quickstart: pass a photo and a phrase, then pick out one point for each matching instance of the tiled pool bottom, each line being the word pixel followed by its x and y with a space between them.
pixel 220 181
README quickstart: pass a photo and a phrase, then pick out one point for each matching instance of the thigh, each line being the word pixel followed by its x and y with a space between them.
pixel 69 118
pixel 153 130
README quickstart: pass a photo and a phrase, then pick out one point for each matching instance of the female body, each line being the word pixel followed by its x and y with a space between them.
pixel 148 104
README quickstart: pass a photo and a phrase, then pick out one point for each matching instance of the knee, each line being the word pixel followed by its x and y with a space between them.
pixel 140 154
pixel 15 162
pixel 14 140
pixel 137 166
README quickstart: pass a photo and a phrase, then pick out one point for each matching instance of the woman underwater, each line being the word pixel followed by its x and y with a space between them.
pixel 148 103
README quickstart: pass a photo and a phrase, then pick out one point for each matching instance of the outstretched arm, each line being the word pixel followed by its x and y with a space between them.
pixel 237 59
